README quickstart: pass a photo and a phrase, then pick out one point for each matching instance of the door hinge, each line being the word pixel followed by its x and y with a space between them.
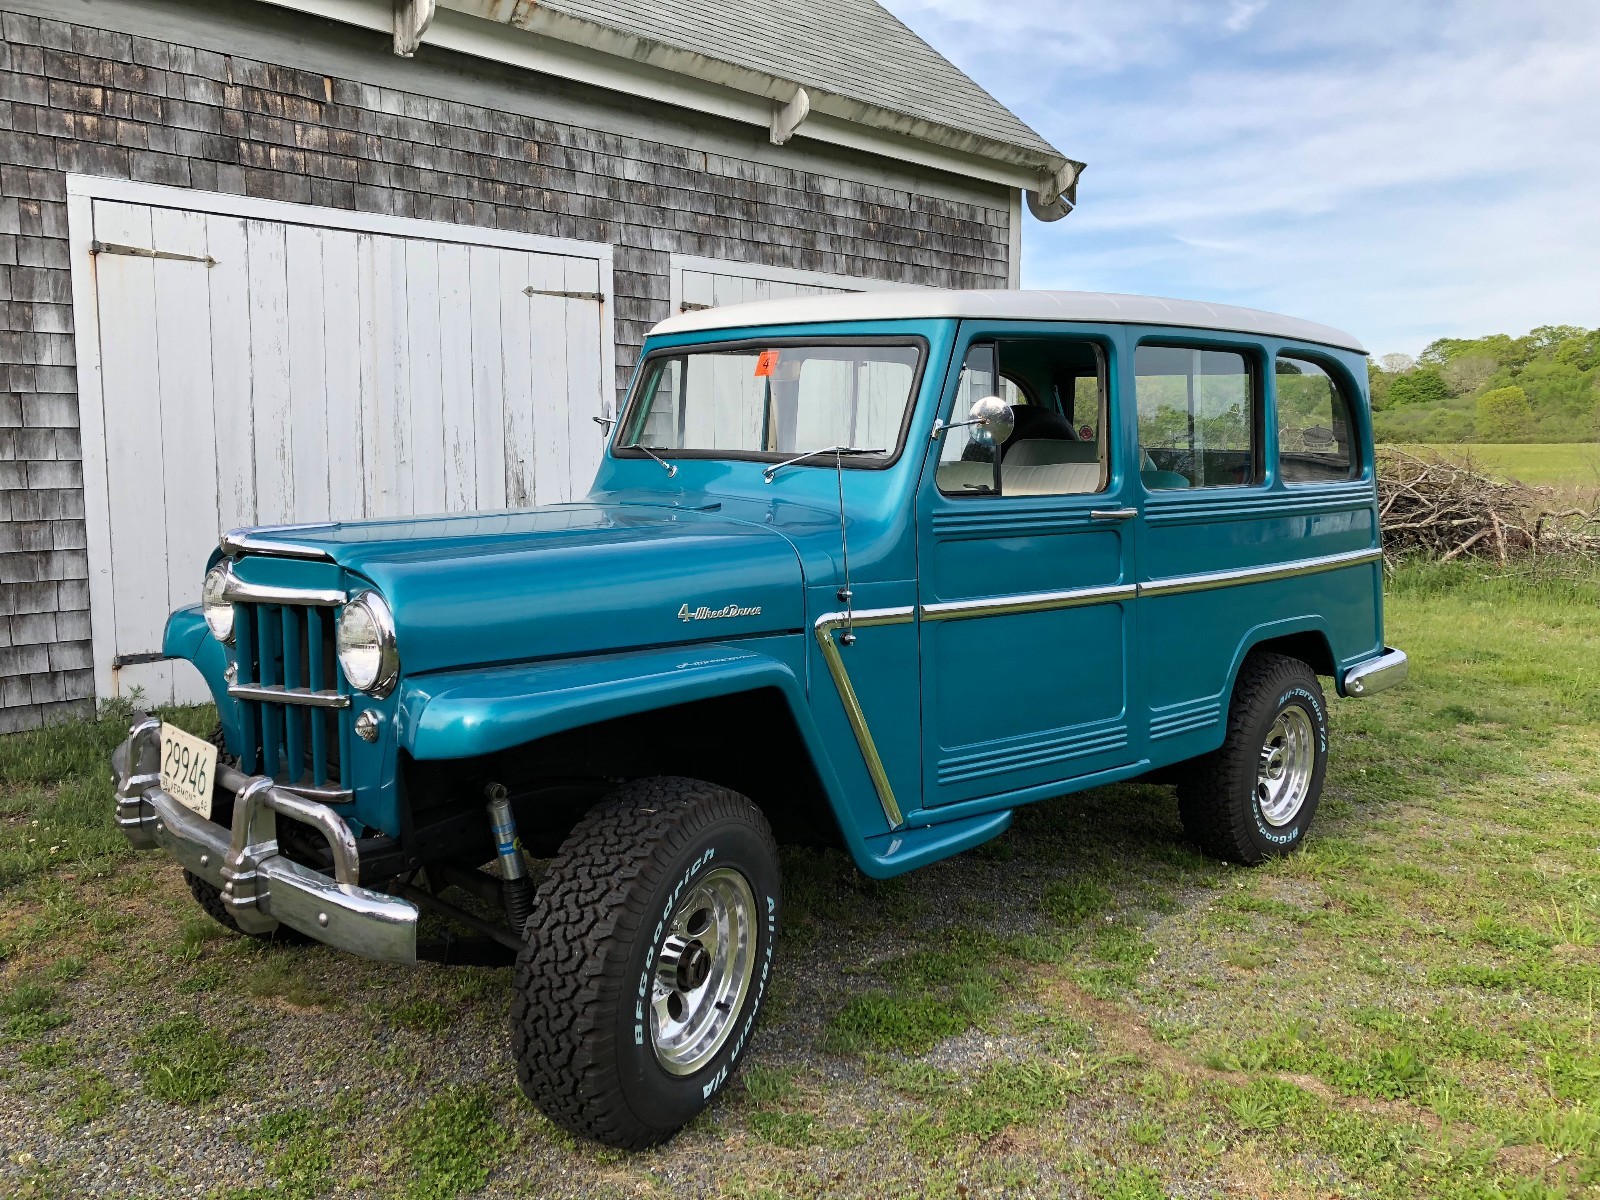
pixel 136 660
pixel 530 290
pixel 98 247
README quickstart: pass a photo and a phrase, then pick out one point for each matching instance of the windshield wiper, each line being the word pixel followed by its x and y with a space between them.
pixel 670 469
pixel 836 451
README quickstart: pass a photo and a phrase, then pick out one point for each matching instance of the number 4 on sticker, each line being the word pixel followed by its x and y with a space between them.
pixel 766 364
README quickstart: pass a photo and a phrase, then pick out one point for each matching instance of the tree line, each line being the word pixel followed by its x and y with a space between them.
pixel 1541 387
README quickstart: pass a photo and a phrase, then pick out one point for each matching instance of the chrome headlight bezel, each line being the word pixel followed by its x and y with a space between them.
pixel 215 605
pixel 381 679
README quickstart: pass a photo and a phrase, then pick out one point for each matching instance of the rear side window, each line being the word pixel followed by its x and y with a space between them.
pixel 1315 430
pixel 1197 417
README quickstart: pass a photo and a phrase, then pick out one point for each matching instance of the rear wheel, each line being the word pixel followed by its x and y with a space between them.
pixel 1254 798
pixel 648 956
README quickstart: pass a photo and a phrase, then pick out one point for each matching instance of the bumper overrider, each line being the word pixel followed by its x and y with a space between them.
pixel 261 887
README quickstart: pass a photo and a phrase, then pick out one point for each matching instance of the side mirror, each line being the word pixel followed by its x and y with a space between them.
pixel 992 421
pixel 605 421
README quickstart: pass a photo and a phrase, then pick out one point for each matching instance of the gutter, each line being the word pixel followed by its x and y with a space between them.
pixel 524 34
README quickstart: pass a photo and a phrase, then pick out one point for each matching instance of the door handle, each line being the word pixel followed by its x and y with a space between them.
pixel 1113 514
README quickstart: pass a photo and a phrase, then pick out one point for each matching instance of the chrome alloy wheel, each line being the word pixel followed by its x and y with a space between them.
pixel 704 964
pixel 1288 758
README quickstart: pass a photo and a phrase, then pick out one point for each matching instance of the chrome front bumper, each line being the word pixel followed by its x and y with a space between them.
pixel 1376 675
pixel 261 887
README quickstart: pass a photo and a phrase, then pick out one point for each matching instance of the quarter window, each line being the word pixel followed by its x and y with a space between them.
pixel 1197 417
pixel 1315 442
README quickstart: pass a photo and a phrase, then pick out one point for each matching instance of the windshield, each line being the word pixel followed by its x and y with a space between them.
pixel 775 400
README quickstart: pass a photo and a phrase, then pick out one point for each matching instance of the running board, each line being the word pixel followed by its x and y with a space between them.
pixel 905 849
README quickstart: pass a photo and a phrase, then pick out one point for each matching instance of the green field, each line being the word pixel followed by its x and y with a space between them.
pixel 1570 467
pixel 1405 1008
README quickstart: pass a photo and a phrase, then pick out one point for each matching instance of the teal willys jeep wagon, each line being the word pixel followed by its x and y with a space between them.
pixel 874 569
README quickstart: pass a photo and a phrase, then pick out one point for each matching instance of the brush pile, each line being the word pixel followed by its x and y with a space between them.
pixel 1446 508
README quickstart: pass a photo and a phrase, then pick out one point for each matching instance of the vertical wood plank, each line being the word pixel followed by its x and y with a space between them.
pixel 372 303
pixel 423 464
pixel 547 319
pixel 308 384
pixel 187 417
pixel 342 358
pixel 269 373
pixel 586 390
pixel 135 454
pixel 228 287
pixel 517 374
pixel 488 377
pixel 457 420
pixel 698 289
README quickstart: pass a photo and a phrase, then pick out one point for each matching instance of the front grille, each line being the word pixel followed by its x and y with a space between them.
pixel 296 718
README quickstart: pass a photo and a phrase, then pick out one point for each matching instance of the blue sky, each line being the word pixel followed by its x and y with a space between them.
pixel 1403 169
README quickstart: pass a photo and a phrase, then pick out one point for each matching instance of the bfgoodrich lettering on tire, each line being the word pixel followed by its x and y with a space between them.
pixel 1254 798
pixel 647 959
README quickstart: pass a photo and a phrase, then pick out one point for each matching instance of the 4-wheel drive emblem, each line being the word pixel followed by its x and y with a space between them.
pixel 703 613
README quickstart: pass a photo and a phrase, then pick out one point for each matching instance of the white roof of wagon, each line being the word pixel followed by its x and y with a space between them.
pixel 923 303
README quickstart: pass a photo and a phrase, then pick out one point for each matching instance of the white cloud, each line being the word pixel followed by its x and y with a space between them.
pixel 1408 171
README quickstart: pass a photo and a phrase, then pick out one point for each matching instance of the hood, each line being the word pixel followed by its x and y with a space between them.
pixel 565 579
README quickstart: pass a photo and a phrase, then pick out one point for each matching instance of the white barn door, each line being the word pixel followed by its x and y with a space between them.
pixel 253 363
pixel 712 282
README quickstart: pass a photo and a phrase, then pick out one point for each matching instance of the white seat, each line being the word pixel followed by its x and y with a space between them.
pixel 1043 452
pixel 1050 479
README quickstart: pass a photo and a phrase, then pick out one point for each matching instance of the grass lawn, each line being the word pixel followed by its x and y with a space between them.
pixel 1086 1007
pixel 1570 467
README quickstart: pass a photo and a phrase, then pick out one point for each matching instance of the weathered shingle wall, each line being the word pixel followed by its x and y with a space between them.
pixel 81 99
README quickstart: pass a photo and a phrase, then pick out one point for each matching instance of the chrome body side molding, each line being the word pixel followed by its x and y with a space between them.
pixel 824 630
pixel 1376 675
pixel 1207 580
pixel 1000 606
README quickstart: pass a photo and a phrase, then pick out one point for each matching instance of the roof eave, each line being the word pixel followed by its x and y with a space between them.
pixel 1016 164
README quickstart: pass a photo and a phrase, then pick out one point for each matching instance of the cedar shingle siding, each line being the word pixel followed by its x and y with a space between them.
pixel 81 99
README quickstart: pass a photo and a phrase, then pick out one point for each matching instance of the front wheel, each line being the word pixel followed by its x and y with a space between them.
pixel 648 956
pixel 1254 798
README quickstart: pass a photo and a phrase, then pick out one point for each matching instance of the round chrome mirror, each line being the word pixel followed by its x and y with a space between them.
pixel 992 421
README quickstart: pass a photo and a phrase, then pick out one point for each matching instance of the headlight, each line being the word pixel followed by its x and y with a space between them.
pixel 215 605
pixel 368 655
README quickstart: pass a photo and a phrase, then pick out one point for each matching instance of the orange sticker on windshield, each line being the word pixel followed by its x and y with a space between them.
pixel 766 363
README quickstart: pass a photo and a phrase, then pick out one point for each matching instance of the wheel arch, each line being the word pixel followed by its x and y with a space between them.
pixel 1305 638
pixel 725 714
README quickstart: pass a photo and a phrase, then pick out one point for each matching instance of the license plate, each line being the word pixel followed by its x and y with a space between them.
pixel 188 769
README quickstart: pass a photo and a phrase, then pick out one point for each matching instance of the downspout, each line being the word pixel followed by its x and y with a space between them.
pixel 1057 194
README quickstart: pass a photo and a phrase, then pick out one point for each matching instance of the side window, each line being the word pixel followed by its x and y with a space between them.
pixel 1057 396
pixel 1315 429
pixel 1197 417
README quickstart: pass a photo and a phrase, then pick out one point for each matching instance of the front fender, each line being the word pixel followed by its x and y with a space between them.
pixel 465 714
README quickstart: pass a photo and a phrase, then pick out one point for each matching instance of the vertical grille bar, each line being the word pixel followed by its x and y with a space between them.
pixel 244 621
pixel 294 754
pixel 269 630
pixel 317 681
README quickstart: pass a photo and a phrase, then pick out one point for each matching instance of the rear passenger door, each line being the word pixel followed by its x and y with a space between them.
pixel 1026 590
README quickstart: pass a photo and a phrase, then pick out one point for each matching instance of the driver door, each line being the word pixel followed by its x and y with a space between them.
pixel 1026 593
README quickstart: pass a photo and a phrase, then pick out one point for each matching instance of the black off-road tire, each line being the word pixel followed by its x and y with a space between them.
pixel 581 1033
pixel 1217 795
pixel 209 897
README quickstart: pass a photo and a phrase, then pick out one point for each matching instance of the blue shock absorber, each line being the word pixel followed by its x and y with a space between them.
pixel 516 887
